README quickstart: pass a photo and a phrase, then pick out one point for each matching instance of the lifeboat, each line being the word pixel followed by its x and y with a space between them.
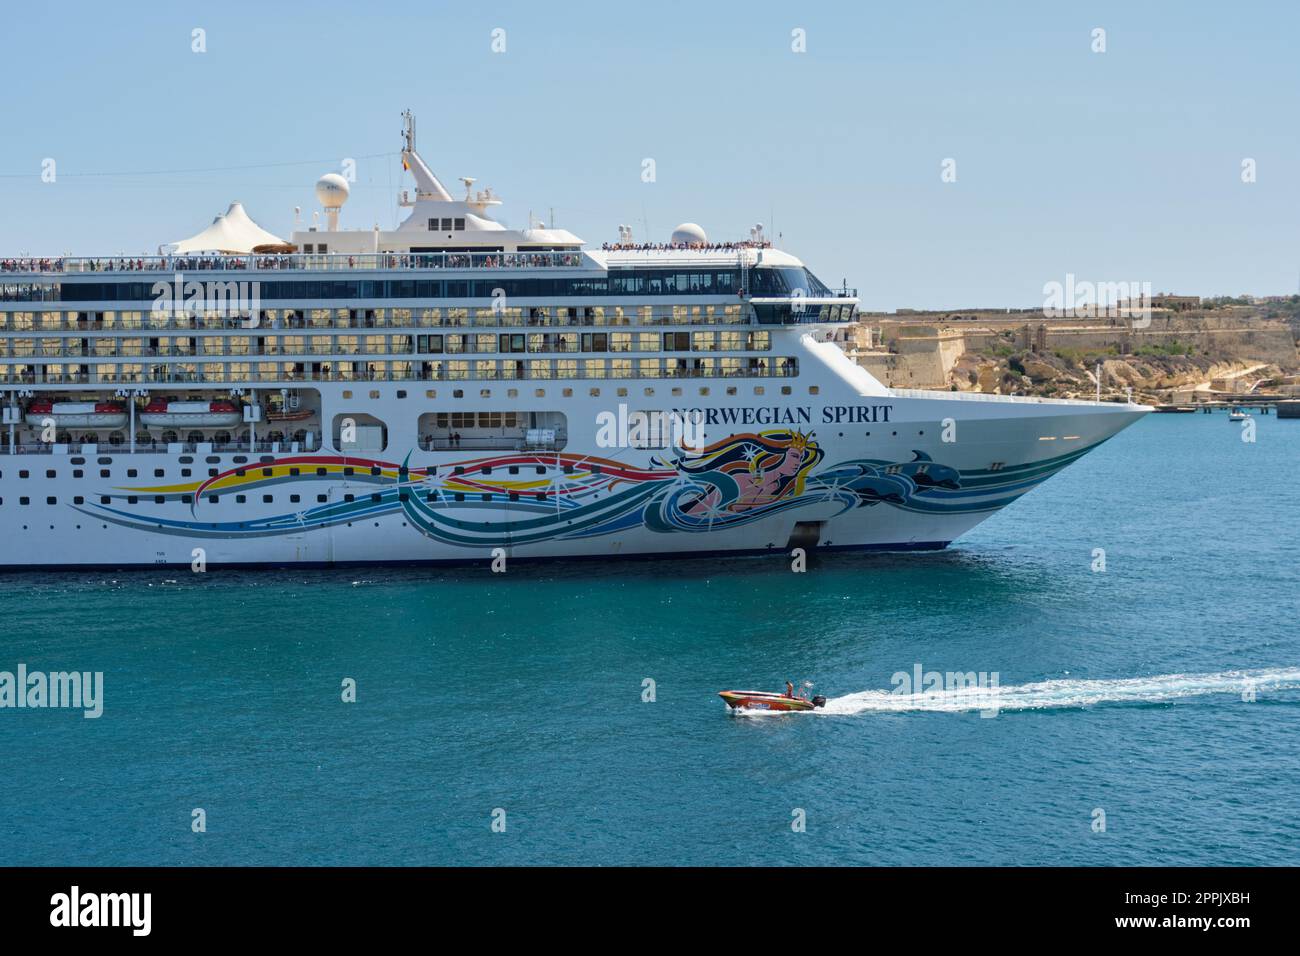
pixel 76 414
pixel 300 415
pixel 165 413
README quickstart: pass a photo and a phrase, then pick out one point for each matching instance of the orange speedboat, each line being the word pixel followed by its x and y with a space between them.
pixel 767 700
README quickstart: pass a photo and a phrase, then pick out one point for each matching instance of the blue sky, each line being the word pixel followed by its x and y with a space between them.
pixel 1119 166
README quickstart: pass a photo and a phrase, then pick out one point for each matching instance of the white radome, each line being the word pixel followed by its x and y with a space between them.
pixel 332 191
pixel 689 233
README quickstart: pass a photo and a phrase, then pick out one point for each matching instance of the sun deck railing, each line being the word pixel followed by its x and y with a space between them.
pixel 330 262
pixel 986 397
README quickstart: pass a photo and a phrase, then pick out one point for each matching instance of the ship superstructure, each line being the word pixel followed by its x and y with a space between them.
pixel 453 387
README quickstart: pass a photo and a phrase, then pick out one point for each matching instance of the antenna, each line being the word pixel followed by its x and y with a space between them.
pixel 408 130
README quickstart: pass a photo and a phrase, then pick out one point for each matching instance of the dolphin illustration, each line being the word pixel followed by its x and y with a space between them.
pixel 869 483
pixel 923 470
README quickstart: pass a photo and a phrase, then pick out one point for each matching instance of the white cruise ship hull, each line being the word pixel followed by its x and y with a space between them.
pixel 882 485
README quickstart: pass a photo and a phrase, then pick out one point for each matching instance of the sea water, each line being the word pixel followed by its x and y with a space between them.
pixel 1138 614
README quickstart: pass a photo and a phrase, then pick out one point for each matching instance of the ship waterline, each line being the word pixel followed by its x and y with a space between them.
pixel 445 392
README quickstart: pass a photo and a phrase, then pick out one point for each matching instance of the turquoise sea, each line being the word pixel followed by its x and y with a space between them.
pixel 523 692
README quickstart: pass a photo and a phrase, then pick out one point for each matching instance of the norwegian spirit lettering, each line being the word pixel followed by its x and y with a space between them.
pixel 796 415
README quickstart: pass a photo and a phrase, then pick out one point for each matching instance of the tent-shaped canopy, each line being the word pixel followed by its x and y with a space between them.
pixel 232 232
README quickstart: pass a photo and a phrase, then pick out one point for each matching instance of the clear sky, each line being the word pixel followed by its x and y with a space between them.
pixel 1117 166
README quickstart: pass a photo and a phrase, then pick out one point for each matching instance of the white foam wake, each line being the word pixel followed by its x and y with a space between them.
pixel 1068 693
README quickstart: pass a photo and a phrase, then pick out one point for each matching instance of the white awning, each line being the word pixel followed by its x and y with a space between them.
pixel 231 232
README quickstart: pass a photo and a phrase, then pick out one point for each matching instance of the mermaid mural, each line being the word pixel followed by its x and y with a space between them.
pixel 526 497
pixel 736 480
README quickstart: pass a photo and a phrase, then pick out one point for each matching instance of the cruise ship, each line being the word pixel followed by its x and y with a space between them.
pixel 454 390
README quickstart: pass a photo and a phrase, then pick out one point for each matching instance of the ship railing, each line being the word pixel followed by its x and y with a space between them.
pixel 298 262
pixel 414 326
pixel 158 448
pixel 987 397
pixel 490 443
pixel 291 377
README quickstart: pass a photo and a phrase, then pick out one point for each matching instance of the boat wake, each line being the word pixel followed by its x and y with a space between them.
pixel 1052 694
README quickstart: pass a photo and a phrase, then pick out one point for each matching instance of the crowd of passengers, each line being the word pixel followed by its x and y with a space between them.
pixel 692 246
pixel 497 260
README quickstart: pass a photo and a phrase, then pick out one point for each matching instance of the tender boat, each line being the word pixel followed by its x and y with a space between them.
pixel 162 412
pixel 77 414
pixel 767 700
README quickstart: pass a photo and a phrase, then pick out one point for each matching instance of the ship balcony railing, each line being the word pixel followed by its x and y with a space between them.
pixel 508 373
pixel 412 326
pixel 157 447
pixel 147 448
pixel 297 262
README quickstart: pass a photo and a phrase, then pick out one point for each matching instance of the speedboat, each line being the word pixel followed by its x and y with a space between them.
pixel 1236 415
pixel 767 700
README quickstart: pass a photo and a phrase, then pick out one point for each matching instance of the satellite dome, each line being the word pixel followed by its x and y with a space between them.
pixel 332 191
pixel 688 233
